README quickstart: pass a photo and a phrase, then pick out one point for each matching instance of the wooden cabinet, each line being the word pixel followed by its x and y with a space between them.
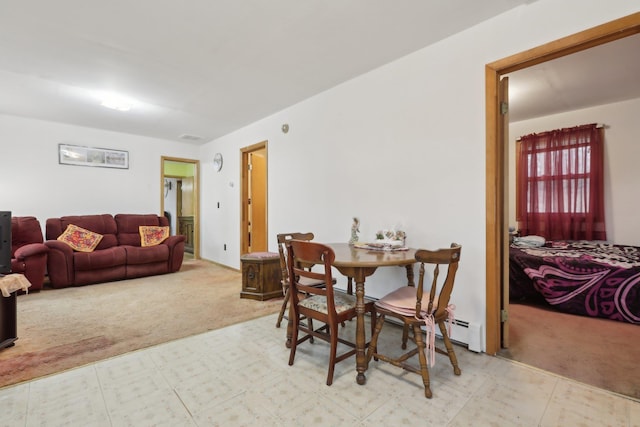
pixel 261 276
pixel 185 227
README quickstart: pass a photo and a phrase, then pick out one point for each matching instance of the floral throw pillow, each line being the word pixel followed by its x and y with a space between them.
pixel 151 235
pixel 80 239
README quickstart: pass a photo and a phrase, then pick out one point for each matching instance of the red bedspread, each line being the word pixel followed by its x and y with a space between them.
pixel 587 278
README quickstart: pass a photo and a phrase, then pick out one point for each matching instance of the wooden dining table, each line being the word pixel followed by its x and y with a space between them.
pixel 358 264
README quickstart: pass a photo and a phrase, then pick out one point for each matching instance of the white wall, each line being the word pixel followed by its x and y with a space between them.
pixel 401 145
pixel 622 152
pixel 33 183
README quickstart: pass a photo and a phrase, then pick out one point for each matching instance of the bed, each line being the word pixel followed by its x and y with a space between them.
pixel 586 278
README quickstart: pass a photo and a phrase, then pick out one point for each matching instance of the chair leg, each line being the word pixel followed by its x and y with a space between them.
pixel 283 308
pixel 373 344
pixel 449 347
pixel 334 348
pixel 349 290
pixel 374 321
pixel 294 340
pixel 310 326
pixel 424 370
pixel 405 335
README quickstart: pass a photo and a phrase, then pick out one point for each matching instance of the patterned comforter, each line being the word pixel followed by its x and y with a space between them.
pixel 580 277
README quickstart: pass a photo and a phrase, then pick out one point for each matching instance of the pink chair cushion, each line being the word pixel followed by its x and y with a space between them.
pixel 403 301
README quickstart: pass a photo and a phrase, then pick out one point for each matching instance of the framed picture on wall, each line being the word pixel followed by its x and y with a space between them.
pixel 89 156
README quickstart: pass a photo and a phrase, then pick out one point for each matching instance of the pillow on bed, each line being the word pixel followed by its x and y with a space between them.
pixel 529 241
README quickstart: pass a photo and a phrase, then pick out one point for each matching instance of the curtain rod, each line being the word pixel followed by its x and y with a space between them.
pixel 598 126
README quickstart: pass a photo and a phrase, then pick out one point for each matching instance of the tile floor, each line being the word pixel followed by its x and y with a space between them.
pixel 238 376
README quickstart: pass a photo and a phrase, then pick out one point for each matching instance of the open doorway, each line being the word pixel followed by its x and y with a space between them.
pixel 254 232
pixel 496 150
pixel 179 200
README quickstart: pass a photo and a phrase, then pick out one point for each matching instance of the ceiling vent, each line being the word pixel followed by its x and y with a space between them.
pixel 188 137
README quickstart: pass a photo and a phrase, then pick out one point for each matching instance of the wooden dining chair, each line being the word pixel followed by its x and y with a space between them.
pixel 324 304
pixel 283 241
pixel 417 307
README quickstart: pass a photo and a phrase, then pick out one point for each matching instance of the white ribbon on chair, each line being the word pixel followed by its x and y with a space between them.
pixel 451 318
pixel 430 338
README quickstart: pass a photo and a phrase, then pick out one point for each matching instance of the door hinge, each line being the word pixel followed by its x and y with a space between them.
pixel 504 108
pixel 504 316
pixel 249 167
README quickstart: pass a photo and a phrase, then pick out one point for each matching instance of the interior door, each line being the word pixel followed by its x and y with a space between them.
pixel 258 197
pixel 503 137
pixel 253 224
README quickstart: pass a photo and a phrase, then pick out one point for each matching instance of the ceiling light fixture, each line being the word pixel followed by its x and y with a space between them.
pixel 190 137
pixel 116 102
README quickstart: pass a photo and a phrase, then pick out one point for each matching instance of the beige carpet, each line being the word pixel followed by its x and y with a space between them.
pixel 60 329
pixel 603 353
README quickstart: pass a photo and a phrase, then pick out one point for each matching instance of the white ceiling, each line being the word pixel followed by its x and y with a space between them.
pixel 204 67
pixel 208 67
pixel 601 75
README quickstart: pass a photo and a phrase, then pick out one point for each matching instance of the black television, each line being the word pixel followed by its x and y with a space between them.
pixel 5 242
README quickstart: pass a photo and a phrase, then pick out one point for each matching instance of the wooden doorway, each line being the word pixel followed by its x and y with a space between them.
pixel 496 196
pixel 180 201
pixel 253 225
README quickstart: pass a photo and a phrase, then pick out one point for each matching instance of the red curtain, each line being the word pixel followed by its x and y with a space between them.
pixel 560 184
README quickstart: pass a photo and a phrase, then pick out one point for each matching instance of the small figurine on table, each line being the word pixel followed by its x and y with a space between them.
pixel 355 229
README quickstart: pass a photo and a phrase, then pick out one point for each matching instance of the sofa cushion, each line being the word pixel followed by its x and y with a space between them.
pixel 106 258
pixel 149 254
pixel 102 224
pixel 151 235
pixel 129 227
pixel 80 239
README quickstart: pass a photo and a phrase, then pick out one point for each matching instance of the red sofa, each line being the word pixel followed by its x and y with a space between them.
pixel 28 253
pixel 119 254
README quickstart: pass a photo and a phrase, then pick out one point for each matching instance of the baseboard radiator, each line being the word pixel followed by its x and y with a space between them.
pixel 465 333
